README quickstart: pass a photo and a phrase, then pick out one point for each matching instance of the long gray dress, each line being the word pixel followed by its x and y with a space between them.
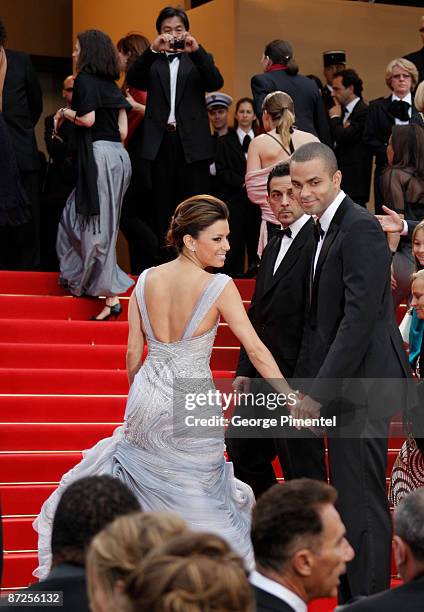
pixel 87 258
pixel 167 469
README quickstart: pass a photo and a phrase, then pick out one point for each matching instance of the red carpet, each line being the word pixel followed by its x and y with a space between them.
pixel 63 387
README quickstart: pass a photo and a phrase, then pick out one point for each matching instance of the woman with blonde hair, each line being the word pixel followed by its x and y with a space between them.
pixel 118 548
pixel 190 573
pixel 268 150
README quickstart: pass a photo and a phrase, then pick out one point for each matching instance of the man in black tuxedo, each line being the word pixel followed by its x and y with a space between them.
pixel 334 61
pixel 397 109
pixel 353 358
pixel 347 123
pixel 281 74
pixel 417 57
pixel 176 72
pixel 85 508
pixel 408 544
pixel 277 313
pixel 22 106
pixel 299 544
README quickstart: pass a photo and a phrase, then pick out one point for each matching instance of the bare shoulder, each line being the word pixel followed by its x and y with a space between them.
pixel 300 137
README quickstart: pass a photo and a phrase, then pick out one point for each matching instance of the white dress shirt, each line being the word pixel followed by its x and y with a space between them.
pixel 241 136
pixel 278 590
pixel 325 221
pixel 349 108
pixel 408 99
pixel 286 242
pixel 173 74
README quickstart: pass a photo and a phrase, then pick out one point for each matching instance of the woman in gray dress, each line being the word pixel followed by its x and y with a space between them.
pixel 88 229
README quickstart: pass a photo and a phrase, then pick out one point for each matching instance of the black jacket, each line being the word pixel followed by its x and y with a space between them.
pixel 353 156
pixel 22 107
pixel 197 74
pixel 417 58
pixel 351 331
pixel 308 105
pixel 277 310
pixel 266 602
pixel 408 597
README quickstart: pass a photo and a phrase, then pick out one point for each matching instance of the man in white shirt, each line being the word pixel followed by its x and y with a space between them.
pixel 277 312
pixel 347 123
pixel 300 546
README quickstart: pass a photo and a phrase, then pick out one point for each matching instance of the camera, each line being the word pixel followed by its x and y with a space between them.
pixel 177 44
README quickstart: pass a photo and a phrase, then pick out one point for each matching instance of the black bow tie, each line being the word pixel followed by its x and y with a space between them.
pixel 284 232
pixel 246 143
pixel 318 231
pixel 399 109
pixel 172 56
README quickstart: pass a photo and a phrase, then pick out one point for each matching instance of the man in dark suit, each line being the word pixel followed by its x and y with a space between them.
pixel 334 61
pixel 176 72
pixel 397 109
pixel 347 123
pixel 299 544
pixel 85 508
pixel 22 106
pixel 277 314
pixel 353 358
pixel 417 57
pixel 281 74
pixel 408 544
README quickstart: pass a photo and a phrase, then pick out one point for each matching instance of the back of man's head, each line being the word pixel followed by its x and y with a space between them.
pixel 287 518
pixel 86 506
pixel 316 150
pixel 408 523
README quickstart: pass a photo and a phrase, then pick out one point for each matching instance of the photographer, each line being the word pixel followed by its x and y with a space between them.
pixel 176 72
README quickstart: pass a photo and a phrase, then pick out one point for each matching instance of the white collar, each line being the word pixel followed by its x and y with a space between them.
pixel 328 214
pixel 297 225
pixel 241 134
pixel 349 107
pixel 278 590
pixel 407 98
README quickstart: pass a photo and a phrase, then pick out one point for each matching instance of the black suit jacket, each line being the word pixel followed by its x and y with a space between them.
pixel 378 128
pixel 417 58
pixel 266 602
pixel 351 331
pixel 308 105
pixel 230 163
pixel 22 107
pixel 408 597
pixel 353 156
pixel 197 74
pixel 67 578
pixel 277 310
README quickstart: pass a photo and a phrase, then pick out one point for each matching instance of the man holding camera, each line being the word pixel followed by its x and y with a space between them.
pixel 176 72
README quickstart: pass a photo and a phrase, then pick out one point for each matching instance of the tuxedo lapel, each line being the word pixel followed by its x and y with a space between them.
pixel 271 255
pixel 290 257
pixel 184 70
pixel 234 143
pixel 162 66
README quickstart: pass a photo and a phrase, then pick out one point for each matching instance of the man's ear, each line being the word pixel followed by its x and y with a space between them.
pixel 400 552
pixel 303 562
pixel 337 178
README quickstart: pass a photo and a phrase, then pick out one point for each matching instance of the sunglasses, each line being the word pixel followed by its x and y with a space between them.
pixel 69 89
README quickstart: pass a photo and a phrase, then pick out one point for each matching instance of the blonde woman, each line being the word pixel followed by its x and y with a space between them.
pixel 115 552
pixel 268 150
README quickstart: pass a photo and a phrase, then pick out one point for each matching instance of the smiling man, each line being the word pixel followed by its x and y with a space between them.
pixel 351 335
pixel 277 314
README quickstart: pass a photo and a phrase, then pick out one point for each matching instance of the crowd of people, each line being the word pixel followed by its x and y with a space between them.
pixel 281 196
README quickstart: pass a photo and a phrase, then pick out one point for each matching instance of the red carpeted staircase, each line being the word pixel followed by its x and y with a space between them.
pixel 63 387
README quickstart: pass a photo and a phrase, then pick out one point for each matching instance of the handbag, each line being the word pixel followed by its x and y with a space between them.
pixel 405 326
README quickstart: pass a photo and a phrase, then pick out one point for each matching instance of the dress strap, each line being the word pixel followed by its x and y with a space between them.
pixel 207 298
pixel 139 294
pixel 281 144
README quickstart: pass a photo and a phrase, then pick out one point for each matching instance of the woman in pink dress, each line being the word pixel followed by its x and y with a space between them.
pixel 269 149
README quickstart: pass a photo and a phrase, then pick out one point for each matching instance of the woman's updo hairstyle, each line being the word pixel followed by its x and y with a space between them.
pixel 280 108
pixel 193 216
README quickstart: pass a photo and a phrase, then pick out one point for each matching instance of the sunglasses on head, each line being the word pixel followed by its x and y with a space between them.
pixel 69 89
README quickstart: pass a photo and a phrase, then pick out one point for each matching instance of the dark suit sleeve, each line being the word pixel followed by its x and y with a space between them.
pixel 209 73
pixel 350 135
pixel 366 265
pixel 224 172
pixel 321 121
pixel 33 91
pixel 372 137
pixel 259 91
pixel 139 74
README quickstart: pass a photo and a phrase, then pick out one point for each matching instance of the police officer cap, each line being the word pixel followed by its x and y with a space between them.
pixel 218 100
